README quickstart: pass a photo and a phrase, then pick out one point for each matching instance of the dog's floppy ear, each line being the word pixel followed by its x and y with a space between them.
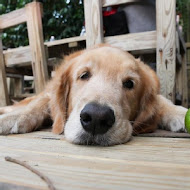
pixel 61 84
pixel 147 117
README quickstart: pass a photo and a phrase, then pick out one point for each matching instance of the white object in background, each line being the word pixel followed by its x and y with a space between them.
pixel 52 38
pixel 181 28
pixel 177 19
pixel 83 31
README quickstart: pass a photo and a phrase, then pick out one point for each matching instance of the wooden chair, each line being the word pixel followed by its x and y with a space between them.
pixel 166 41
pixel 31 14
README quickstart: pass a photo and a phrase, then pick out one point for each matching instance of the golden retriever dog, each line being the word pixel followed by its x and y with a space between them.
pixel 98 96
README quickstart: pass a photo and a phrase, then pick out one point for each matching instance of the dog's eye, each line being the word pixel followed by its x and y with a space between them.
pixel 86 75
pixel 128 84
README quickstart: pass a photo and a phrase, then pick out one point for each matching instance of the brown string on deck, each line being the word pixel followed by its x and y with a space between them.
pixel 42 176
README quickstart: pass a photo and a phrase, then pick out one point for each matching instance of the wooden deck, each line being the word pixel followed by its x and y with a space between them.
pixel 145 163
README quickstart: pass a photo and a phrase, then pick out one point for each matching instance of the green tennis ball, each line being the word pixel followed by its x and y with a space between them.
pixel 187 121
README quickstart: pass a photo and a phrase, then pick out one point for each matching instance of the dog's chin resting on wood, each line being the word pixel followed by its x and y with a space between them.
pixel 98 96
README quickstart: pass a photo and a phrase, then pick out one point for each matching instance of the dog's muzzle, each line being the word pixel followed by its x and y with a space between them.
pixel 97 119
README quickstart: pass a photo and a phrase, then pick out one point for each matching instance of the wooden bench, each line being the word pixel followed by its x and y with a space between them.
pixel 18 60
pixel 166 41
pixel 143 163
pixel 31 14
pixel 22 56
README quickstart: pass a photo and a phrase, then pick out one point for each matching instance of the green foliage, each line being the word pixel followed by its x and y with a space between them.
pixel 183 8
pixel 15 36
pixel 62 19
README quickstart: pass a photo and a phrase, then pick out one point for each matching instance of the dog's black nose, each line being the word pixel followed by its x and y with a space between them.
pixel 96 118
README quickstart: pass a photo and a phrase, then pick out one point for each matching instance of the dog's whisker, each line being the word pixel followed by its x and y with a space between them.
pixel 94 102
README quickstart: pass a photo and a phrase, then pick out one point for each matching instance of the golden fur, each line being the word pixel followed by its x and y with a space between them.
pixel 137 110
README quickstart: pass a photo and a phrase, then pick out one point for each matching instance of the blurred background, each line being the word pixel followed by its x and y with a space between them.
pixel 65 18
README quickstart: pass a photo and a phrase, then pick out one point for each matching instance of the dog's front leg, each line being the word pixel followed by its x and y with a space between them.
pixel 27 118
pixel 171 116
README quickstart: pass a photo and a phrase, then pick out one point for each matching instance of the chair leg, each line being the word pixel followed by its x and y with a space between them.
pixel 35 35
pixel 4 99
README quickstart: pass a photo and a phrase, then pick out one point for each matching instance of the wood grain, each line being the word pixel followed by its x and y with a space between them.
pixel 144 163
pixel 22 56
pixel 65 41
pixel 6 186
pixel 35 34
pixel 166 47
pixel 18 86
pixel 93 22
pixel 13 18
pixel 4 99
pixel 17 56
pixel 132 42
pixel 35 171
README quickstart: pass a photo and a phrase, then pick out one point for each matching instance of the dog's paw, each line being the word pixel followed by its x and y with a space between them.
pixel 175 121
pixel 16 123
pixel 176 124
pixel 8 124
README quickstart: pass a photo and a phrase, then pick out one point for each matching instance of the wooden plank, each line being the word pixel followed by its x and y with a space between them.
pixel 13 18
pixel 35 34
pixel 166 47
pixel 11 88
pixel 14 75
pixel 164 133
pixel 18 86
pixel 20 71
pixel 65 41
pixel 107 3
pixel 184 81
pixel 17 62
pixel 5 186
pixel 132 42
pixel 4 99
pixel 143 163
pixel 22 56
pixel 93 22
pixel 18 56
pixel 188 45
pixel 15 85
pixel 28 78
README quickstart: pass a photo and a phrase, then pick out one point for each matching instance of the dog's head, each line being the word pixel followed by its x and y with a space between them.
pixel 103 95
